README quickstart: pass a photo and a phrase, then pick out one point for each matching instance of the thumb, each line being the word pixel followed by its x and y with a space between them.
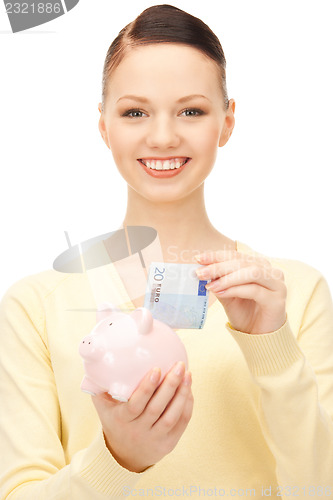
pixel 104 401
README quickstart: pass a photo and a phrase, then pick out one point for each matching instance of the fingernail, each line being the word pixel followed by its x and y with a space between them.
pixel 155 375
pixel 179 368
pixel 202 273
pixel 197 257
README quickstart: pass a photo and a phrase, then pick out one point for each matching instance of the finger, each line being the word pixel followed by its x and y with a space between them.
pixel 211 257
pixel 142 394
pixel 250 291
pixel 251 274
pixel 175 408
pixel 164 393
pixel 216 270
pixel 177 431
pixel 103 402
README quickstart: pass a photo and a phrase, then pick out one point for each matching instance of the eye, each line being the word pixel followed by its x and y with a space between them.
pixel 192 112
pixel 133 113
pixel 110 324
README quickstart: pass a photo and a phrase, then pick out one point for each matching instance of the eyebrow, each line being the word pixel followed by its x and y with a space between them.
pixel 145 100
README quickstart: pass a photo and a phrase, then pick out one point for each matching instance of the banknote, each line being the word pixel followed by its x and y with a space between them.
pixel 176 296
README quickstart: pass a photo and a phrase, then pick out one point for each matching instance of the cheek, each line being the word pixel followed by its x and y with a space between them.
pixel 119 143
pixel 208 140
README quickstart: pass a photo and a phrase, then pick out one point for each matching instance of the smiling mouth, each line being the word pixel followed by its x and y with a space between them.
pixel 164 164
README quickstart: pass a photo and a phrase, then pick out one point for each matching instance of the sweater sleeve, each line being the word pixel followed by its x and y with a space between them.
pixel 295 377
pixel 32 459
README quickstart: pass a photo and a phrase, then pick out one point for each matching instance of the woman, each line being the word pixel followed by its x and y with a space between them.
pixel 253 417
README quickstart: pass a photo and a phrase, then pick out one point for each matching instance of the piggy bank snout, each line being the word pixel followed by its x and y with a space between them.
pixel 88 348
pixel 86 342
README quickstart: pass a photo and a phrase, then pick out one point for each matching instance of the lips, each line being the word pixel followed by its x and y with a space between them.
pixel 154 166
pixel 170 163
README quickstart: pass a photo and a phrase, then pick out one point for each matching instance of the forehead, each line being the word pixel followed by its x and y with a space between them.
pixel 172 68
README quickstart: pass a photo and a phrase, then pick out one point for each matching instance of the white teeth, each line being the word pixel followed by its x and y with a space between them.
pixel 164 164
pixel 167 165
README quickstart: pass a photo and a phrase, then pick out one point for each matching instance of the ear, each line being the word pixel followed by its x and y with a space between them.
pixel 229 123
pixel 143 320
pixel 104 310
pixel 101 125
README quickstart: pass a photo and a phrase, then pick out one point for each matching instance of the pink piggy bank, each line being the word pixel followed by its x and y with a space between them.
pixel 122 348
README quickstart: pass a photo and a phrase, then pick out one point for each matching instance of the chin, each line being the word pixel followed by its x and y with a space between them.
pixel 170 195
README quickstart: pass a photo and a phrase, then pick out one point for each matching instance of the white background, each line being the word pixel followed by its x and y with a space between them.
pixel 271 185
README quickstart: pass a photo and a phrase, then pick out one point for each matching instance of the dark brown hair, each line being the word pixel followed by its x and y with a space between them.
pixel 165 24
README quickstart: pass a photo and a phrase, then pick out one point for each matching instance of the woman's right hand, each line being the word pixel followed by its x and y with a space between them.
pixel 146 428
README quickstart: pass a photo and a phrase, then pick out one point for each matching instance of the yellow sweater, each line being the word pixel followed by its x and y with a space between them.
pixel 263 404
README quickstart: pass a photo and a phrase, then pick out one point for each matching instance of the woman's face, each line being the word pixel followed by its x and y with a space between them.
pixel 164 104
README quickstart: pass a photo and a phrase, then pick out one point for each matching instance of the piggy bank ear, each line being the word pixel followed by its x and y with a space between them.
pixel 143 320
pixel 104 310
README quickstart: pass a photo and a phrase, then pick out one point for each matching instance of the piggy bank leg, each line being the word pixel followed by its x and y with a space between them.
pixel 90 387
pixel 118 398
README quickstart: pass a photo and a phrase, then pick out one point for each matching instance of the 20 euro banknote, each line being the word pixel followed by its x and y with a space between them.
pixel 176 296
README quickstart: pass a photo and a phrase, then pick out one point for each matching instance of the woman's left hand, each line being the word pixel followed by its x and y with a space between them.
pixel 252 292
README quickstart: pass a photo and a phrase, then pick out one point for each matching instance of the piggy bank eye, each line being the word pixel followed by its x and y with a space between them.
pixel 110 324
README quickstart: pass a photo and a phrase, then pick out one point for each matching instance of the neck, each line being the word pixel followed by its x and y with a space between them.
pixel 182 225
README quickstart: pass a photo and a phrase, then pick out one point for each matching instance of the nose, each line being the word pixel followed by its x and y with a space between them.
pixel 163 133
